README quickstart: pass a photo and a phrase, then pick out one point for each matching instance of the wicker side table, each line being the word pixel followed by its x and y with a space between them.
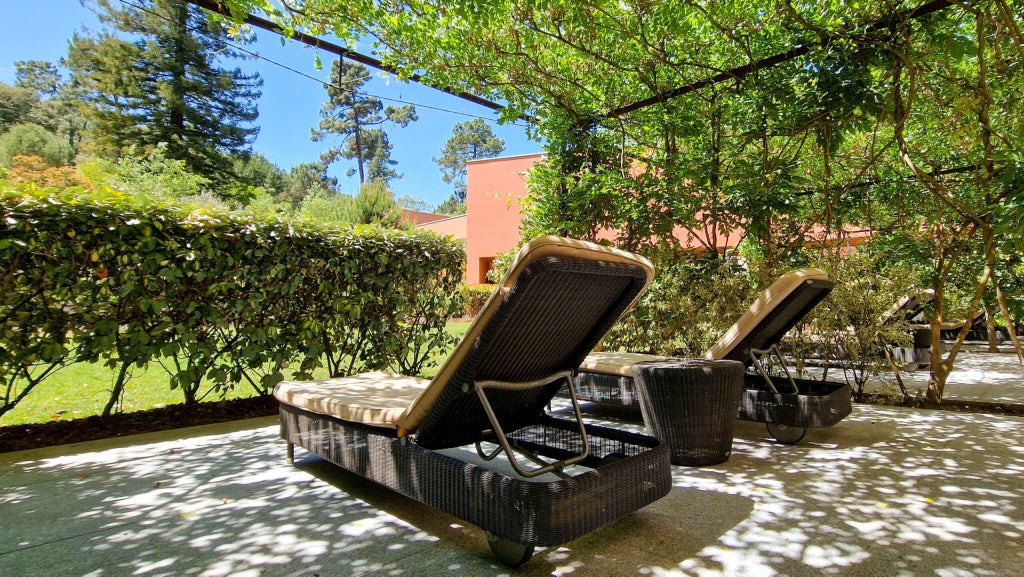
pixel 691 404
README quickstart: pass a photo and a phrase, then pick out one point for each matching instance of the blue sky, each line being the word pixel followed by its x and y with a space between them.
pixel 290 104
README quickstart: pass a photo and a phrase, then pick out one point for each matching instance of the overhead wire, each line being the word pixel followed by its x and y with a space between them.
pixel 319 81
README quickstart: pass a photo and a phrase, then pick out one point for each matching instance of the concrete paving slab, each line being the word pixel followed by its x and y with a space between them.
pixel 977 376
pixel 888 491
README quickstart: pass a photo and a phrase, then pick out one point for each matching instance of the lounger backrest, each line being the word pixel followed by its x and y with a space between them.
pixel 910 307
pixel 778 309
pixel 557 301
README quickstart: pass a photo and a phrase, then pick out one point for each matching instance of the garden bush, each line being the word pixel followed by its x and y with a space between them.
pixel 501 264
pixel 848 328
pixel 218 298
pixel 689 305
pixel 474 297
pixel 34 140
pixel 694 299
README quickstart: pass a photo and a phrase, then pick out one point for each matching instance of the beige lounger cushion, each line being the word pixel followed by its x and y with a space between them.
pixel 944 326
pixel 377 399
pixel 620 364
pixel 761 308
pixel 920 298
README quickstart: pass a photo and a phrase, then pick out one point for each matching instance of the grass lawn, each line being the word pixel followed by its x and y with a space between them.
pixel 82 390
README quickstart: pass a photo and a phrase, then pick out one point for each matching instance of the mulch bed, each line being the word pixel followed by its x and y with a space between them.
pixel 36 435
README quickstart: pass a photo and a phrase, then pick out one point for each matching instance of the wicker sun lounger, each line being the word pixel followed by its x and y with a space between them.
pixel 787 405
pixel 910 308
pixel 559 298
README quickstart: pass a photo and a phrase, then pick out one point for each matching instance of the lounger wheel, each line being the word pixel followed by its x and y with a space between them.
pixel 509 552
pixel 788 434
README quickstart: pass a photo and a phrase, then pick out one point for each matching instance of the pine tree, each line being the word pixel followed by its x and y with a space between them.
pixel 56 107
pixel 469 140
pixel 41 77
pixel 377 155
pixel 162 85
pixel 16 103
pixel 358 118
pixel 305 178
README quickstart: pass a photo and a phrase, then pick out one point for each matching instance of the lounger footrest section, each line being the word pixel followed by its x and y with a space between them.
pixel 627 471
pixel 817 405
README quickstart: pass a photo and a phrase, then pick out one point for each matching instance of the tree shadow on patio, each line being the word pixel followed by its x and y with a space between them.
pixel 888 491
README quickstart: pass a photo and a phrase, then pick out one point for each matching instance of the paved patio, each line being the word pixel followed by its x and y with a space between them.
pixel 888 492
pixel 977 376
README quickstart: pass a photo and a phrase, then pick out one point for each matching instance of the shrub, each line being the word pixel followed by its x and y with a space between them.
pixel 154 176
pixel 500 265
pixel 217 297
pixel 35 170
pixel 848 324
pixel 327 206
pixel 375 204
pixel 34 140
pixel 690 303
pixel 474 296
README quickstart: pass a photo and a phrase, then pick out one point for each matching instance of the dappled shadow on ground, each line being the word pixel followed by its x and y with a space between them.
pixel 677 528
pixel 887 491
pixel 977 376
pixel 230 505
pixel 223 505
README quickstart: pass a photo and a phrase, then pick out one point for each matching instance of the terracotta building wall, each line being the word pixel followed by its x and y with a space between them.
pixel 453 225
pixel 495 191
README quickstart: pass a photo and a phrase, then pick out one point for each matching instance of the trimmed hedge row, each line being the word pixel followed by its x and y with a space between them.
pixel 216 298
pixel 475 297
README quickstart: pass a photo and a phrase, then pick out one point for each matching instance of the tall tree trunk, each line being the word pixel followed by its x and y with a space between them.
pixel 177 56
pixel 990 333
pixel 359 149
pixel 942 367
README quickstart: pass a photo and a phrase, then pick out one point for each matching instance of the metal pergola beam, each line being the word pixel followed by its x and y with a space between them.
pixel 734 74
pixel 256 21
pixel 745 70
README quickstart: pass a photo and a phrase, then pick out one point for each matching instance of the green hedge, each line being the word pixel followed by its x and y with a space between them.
pixel 475 297
pixel 216 298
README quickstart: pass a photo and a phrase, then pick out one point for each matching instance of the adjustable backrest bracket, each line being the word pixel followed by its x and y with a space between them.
pixel 508 447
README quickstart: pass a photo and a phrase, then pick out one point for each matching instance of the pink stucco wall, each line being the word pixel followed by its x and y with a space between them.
pixel 453 225
pixel 495 190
